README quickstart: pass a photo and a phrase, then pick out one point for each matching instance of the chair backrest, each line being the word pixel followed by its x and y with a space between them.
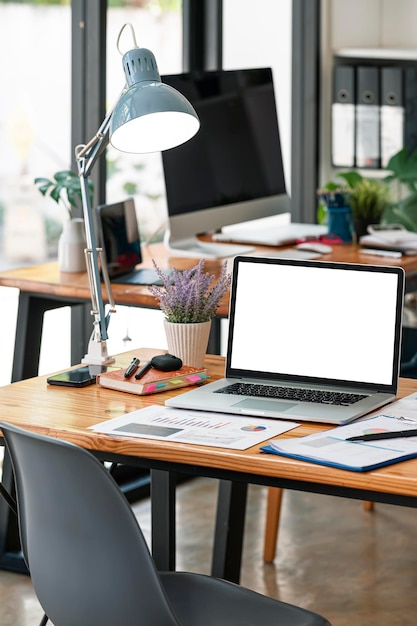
pixel 88 559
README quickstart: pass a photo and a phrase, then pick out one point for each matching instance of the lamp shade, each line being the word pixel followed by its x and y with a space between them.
pixel 149 116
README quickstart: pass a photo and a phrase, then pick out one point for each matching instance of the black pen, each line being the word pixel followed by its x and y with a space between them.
pixel 143 370
pixel 387 435
pixel 132 367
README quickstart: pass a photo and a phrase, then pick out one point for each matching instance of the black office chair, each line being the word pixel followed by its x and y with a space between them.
pixel 90 563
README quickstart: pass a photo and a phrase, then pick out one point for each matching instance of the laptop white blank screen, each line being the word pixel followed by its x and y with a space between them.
pixel 321 322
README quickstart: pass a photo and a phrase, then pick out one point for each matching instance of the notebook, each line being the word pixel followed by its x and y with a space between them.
pixel 330 332
pixel 120 240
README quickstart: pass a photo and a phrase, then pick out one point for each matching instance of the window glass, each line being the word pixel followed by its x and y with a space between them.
pixel 35 83
pixel 158 27
pixel 258 34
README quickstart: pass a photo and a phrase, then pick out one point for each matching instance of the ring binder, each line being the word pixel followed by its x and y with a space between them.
pixel 392 113
pixel 343 116
pixel 410 105
pixel 367 145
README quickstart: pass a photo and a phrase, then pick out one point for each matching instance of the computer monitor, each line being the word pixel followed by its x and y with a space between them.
pixel 232 170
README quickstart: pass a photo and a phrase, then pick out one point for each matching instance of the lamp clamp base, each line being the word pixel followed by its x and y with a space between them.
pixel 97 353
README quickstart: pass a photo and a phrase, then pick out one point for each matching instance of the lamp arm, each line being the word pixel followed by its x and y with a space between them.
pixel 89 153
pixel 86 157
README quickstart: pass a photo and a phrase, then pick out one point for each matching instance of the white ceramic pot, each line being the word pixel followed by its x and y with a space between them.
pixel 71 246
pixel 188 341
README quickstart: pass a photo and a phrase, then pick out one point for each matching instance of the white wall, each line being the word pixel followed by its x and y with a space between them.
pixel 373 23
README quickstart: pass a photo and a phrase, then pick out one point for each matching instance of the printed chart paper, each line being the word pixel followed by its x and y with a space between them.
pixel 196 427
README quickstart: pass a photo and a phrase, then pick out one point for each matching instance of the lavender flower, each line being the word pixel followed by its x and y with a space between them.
pixel 190 296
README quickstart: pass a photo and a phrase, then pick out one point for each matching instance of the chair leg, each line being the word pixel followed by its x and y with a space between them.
pixel 273 511
pixel 368 505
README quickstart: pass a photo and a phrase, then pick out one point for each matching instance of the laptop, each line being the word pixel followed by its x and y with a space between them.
pixel 120 240
pixel 282 235
pixel 309 340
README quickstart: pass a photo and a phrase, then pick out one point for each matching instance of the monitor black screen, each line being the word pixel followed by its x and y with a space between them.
pixel 234 163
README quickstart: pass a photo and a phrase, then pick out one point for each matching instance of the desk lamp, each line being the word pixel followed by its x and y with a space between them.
pixel 149 116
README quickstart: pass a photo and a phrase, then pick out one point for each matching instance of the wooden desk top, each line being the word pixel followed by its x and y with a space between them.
pixel 46 279
pixel 67 413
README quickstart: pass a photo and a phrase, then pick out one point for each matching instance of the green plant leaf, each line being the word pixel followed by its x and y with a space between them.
pixel 44 185
pixel 130 188
pixel 352 178
pixel 65 177
pixel 331 186
pixel 404 213
pixel 403 167
pixel 56 192
pixel 65 187
pixel 321 213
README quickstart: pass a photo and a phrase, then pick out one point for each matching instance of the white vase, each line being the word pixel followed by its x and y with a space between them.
pixel 188 341
pixel 71 246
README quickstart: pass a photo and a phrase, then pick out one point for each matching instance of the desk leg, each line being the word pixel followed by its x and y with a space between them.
pixel 28 337
pixel 230 524
pixel 81 329
pixel 29 328
pixel 163 519
pixel 11 557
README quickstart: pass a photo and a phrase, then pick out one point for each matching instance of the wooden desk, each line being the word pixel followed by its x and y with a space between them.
pixel 67 413
pixel 43 287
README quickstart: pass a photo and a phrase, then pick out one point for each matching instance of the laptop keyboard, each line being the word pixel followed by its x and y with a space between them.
pixel 292 393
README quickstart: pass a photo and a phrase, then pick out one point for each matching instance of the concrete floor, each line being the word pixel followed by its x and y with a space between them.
pixel 357 568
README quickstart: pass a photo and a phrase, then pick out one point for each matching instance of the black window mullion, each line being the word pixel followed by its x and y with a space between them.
pixel 305 110
pixel 88 80
pixel 202 34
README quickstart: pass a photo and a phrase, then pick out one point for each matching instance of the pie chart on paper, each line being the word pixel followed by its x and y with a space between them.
pixel 253 428
pixel 373 431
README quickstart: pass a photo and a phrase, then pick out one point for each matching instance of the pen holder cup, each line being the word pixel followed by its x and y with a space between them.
pixel 339 222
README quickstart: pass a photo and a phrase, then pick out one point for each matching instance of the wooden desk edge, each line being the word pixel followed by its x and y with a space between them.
pixel 15 400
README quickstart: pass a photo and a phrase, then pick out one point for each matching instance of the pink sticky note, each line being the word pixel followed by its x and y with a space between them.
pixel 193 378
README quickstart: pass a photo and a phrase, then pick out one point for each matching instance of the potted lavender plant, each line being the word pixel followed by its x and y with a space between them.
pixel 189 299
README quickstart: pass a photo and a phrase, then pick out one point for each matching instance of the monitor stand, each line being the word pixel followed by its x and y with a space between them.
pixel 193 247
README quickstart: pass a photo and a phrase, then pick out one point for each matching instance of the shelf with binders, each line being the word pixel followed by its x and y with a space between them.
pixel 374 107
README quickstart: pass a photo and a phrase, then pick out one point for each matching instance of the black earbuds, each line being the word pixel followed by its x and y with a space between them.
pixel 162 362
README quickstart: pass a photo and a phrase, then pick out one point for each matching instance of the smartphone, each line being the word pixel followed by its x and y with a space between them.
pixel 79 377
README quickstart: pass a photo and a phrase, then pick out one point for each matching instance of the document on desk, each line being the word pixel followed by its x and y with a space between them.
pixel 403 408
pixel 331 447
pixel 195 427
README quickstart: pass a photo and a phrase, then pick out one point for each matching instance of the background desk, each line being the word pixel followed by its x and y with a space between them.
pixel 79 409
pixel 43 287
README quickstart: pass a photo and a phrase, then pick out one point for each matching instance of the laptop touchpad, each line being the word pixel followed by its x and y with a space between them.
pixel 264 405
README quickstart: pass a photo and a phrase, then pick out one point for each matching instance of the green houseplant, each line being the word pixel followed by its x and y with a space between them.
pixel 402 178
pixel 367 198
pixel 65 189
pixel 189 299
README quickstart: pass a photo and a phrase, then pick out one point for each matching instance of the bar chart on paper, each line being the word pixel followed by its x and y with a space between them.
pixel 197 427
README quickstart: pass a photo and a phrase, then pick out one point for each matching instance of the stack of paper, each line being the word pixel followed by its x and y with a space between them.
pixel 333 447
pixel 398 240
